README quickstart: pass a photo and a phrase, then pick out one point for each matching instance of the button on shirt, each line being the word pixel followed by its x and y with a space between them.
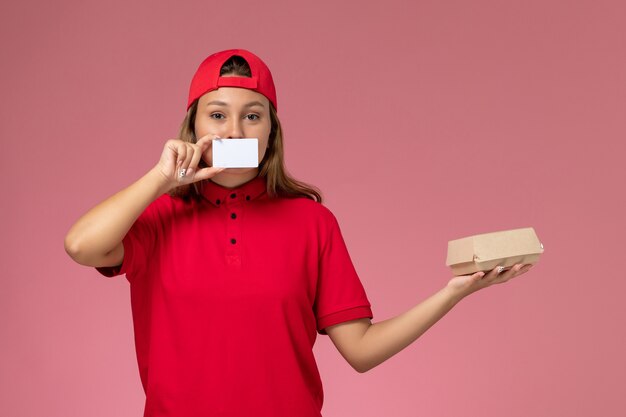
pixel 228 296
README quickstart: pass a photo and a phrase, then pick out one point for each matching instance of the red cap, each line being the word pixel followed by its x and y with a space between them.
pixel 207 77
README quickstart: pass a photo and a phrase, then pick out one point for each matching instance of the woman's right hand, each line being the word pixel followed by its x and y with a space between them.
pixel 178 154
pixel 96 239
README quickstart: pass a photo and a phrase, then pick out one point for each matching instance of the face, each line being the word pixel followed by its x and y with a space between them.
pixel 233 112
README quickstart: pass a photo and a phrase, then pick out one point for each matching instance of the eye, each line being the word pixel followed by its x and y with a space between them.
pixel 255 115
pixel 215 114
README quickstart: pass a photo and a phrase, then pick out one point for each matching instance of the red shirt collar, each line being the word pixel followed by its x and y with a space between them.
pixel 218 195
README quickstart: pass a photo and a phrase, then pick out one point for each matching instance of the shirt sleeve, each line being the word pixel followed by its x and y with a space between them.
pixel 138 243
pixel 340 294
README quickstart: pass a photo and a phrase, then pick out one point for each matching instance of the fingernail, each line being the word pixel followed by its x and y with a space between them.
pixel 189 171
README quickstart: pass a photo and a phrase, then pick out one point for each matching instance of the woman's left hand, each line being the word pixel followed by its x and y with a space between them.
pixel 465 285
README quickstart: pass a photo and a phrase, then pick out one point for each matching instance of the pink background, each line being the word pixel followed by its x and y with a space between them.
pixel 420 121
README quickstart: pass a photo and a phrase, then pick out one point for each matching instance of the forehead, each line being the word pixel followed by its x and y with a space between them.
pixel 234 96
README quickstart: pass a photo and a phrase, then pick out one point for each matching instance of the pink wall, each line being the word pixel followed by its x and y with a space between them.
pixel 492 116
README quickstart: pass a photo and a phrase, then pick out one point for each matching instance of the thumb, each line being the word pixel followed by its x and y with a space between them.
pixel 206 173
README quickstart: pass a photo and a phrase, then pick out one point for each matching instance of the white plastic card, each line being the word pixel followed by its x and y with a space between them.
pixel 236 153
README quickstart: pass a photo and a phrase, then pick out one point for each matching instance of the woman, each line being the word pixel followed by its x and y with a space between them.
pixel 234 271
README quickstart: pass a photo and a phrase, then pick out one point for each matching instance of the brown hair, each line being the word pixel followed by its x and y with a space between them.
pixel 279 182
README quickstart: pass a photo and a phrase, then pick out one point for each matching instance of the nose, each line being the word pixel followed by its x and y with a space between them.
pixel 235 129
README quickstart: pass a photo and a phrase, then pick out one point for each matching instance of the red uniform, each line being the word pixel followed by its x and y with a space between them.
pixel 228 296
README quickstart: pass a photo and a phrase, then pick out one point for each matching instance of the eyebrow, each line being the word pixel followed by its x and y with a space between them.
pixel 222 103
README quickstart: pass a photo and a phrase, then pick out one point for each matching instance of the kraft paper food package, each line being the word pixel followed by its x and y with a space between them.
pixel 486 251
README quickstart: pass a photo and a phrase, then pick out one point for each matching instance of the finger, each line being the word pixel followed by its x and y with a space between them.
pixel 181 153
pixel 477 277
pixel 206 140
pixel 493 274
pixel 188 156
pixel 497 273
pixel 206 173
pixel 510 273
pixel 195 159
pixel 207 148
pixel 523 269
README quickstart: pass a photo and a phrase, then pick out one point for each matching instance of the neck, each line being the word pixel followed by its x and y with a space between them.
pixel 235 177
